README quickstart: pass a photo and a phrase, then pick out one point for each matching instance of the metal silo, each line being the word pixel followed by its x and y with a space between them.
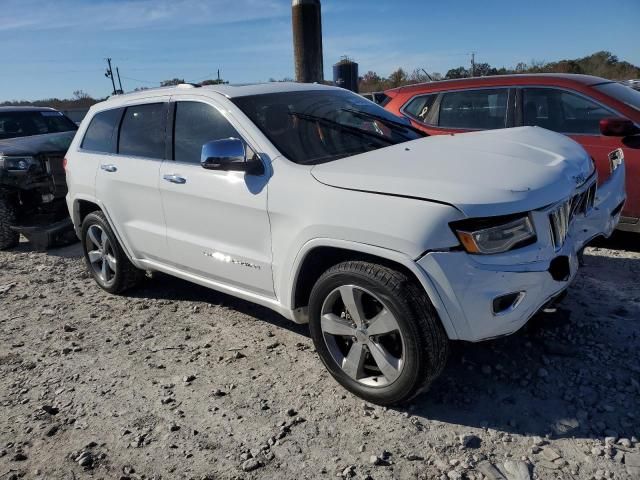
pixel 345 74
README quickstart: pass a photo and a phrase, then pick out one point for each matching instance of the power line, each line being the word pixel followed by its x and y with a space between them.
pixel 141 81
pixel 206 77
pixel 150 82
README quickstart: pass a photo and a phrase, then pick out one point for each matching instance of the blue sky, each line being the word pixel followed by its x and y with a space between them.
pixel 51 48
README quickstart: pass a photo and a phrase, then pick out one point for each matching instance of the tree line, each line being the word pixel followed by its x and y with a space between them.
pixel 81 100
pixel 601 64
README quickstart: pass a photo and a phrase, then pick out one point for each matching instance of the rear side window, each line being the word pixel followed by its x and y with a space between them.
pixel 142 131
pixel 197 123
pixel 421 107
pixel 474 109
pixel 100 134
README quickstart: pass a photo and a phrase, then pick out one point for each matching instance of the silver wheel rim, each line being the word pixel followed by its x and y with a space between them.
pixel 363 336
pixel 100 255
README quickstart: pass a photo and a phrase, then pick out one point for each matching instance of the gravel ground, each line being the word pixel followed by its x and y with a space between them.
pixel 177 381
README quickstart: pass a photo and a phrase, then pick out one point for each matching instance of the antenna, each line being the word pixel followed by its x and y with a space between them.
pixel 427 74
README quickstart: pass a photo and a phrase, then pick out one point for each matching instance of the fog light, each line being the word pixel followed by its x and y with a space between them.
pixel 507 303
pixel 560 269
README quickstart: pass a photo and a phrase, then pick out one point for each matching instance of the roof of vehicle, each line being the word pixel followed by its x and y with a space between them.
pixel 25 109
pixel 229 91
pixel 565 79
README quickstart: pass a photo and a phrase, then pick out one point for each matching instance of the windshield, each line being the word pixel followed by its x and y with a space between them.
pixel 323 125
pixel 622 93
pixel 27 123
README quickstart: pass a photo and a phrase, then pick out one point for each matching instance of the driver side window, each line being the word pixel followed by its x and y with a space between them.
pixel 195 124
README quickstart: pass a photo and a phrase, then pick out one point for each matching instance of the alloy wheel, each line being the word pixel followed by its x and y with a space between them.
pixel 101 255
pixel 363 336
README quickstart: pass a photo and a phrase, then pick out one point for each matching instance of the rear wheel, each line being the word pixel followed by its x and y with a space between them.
pixel 8 238
pixel 376 332
pixel 105 259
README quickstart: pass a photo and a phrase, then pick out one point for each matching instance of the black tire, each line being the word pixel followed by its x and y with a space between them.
pixel 8 237
pixel 425 346
pixel 126 275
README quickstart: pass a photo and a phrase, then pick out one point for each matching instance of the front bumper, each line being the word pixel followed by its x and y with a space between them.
pixel 468 284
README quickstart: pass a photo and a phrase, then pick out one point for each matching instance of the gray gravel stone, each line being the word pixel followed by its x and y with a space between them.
pixel 251 465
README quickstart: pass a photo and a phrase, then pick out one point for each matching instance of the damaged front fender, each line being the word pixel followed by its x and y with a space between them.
pixel 610 198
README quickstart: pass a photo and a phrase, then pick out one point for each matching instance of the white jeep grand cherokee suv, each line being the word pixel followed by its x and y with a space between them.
pixel 324 207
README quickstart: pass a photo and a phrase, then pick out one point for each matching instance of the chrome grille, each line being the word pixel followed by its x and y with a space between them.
pixel 562 215
pixel 560 219
pixel 582 203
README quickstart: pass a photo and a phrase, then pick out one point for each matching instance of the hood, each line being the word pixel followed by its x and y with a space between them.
pixel 36 144
pixel 493 172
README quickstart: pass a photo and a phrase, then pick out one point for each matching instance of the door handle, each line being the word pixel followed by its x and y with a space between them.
pixel 109 168
pixel 175 179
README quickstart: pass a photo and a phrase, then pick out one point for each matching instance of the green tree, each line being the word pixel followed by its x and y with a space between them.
pixel 372 82
pixel 398 78
pixel 459 72
pixel 172 82
pixel 213 81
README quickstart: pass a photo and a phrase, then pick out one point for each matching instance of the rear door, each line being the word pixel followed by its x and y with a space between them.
pixel 462 110
pixel 127 181
pixel 217 221
pixel 578 117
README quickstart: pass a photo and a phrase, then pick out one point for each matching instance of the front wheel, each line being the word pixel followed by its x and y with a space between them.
pixel 105 259
pixel 8 237
pixel 376 332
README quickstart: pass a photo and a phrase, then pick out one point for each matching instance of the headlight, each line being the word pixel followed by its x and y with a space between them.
pixel 15 163
pixel 495 235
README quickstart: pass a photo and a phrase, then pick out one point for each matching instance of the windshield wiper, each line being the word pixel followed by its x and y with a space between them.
pixel 340 126
pixel 392 124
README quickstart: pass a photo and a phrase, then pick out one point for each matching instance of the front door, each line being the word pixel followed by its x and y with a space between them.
pixel 217 222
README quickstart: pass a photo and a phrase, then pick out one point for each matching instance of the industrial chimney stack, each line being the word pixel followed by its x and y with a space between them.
pixel 307 40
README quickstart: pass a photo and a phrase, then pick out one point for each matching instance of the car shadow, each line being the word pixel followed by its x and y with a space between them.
pixel 567 373
pixel 69 249
pixel 546 379
pixel 626 241
pixel 166 287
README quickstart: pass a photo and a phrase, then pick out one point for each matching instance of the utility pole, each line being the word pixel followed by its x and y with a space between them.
pixel 119 81
pixel 109 74
pixel 473 64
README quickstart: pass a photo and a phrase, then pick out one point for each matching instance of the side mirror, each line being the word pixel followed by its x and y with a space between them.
pixel 228 155
pixel 617 127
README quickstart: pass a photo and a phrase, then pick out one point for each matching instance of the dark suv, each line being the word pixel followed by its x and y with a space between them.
pixel 33 142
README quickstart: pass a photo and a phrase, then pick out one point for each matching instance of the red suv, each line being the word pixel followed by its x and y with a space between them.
pixel 599 114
